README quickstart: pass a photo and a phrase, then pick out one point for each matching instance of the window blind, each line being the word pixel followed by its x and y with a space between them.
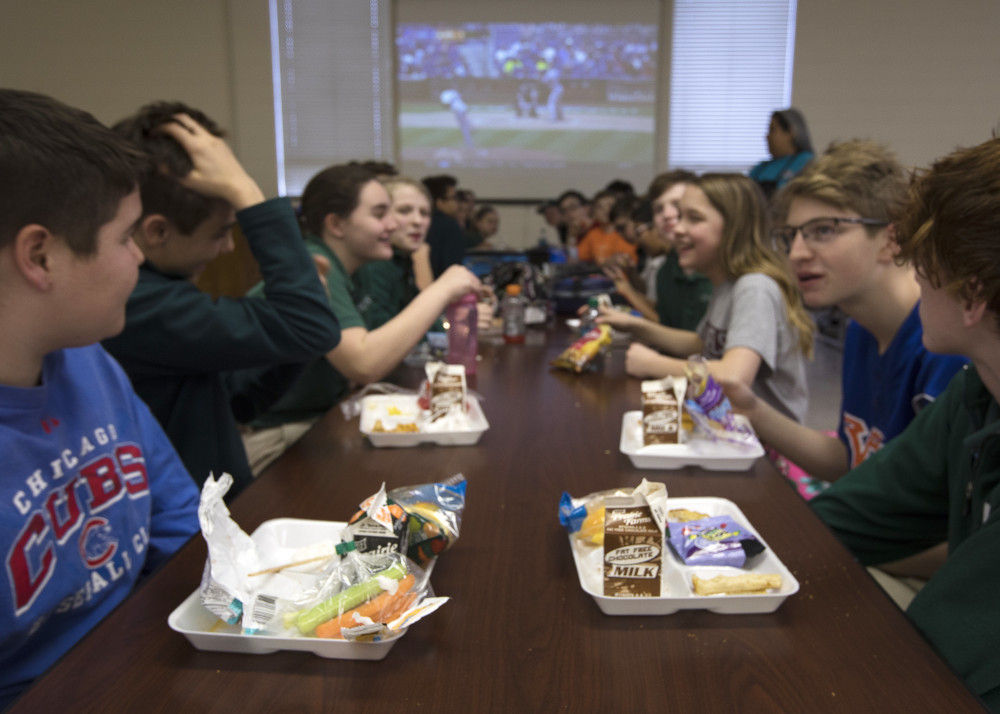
pixel 332 64
pixel 731 67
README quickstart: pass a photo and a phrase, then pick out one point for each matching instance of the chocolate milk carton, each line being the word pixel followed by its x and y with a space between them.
pixel 633 542
pixel 447 387
pixel 662 401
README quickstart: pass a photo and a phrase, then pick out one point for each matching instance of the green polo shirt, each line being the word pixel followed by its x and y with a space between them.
pixel 388 287
pixel 321 386
pixel 681 299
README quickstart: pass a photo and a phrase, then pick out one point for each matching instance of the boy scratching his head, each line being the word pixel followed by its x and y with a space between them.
pixel 94 495
pixel 201 364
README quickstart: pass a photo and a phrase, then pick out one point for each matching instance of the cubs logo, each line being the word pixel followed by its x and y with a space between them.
pixel 97 545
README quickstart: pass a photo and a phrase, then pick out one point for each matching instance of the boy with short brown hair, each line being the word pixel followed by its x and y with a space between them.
pixel 94 494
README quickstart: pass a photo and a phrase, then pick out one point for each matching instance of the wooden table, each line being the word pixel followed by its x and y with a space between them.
pixel 519 634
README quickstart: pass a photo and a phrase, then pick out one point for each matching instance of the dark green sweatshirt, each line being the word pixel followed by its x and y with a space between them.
pixel 193 359
pixel 938 480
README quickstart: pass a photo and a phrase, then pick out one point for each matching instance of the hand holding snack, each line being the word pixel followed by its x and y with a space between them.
pixel 741 396
pixel 710 409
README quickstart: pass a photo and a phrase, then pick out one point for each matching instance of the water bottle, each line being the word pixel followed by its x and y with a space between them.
pixel 572 250
pixel 589 317
pixel 463 332
pixel 512 309
pixel 588 320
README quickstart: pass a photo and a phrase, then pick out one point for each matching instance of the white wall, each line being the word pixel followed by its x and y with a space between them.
pixel 920 75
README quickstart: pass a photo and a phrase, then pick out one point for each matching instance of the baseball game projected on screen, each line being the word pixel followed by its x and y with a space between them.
pixel 543 97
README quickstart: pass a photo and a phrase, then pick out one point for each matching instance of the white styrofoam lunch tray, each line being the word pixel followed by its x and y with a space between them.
pixel 704 453
pixel 377 406
pixel 282 536
pixel 676 583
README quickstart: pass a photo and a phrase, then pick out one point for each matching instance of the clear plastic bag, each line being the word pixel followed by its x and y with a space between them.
pixel 351 406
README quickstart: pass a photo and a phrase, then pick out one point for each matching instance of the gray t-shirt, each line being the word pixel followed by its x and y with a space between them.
pixel 751 313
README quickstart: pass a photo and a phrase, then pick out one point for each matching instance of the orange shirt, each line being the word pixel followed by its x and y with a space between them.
pixel 599 244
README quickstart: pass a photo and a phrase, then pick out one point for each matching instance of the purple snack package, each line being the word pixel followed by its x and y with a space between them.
pixel 716 540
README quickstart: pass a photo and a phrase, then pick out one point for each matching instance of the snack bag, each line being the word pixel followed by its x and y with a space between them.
pixel 716 540
pixel 435 514
pixel 582 353
pixel 380 526
pixel 585 521
pixel 709 407
pixel 662 401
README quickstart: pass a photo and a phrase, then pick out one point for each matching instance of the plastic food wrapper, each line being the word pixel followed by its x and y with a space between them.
pixel 351 406
pixel 582 353
pixel 380 525
pixel 364 598
pixel 273 592
pixel 584 517
pixel 716 540
pixel 709 408
pixel 435 515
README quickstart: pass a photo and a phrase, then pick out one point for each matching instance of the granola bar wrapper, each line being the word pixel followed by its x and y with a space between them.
pixel 709 408
pixel 582 353
pixel 716 540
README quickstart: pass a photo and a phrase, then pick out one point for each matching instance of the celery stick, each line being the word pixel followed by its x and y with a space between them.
pixel 346 599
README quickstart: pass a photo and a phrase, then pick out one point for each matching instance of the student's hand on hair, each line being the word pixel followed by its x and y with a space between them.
pixel 216 172
pixel 644 362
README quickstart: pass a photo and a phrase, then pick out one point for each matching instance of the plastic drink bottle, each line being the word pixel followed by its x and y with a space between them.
pixel 463 332
pixel 588 318
pixel 512 310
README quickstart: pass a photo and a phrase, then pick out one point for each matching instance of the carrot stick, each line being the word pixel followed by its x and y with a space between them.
pixel 371 609
pixel 306 620
pixel 397 608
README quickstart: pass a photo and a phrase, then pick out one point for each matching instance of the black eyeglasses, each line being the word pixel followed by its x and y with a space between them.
pixel 818 231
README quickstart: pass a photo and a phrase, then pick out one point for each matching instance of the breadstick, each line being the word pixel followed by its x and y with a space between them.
pixel 749 584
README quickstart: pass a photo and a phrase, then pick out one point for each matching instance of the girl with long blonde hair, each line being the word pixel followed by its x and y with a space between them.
pixel 756 329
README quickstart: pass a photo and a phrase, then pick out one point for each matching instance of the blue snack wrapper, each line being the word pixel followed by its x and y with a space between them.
pixel 569 516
